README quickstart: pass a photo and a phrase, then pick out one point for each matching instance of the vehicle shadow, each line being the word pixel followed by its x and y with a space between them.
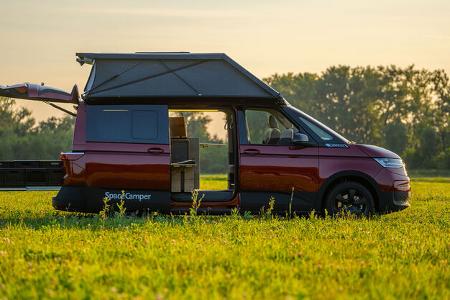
pixel 83 221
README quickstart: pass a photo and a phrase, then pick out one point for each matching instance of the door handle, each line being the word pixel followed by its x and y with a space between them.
pixel 155 150
pixel 252 151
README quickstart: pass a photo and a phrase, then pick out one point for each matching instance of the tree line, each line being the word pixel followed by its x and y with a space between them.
pixel 21 137
pixel 406 110
pixel 403 109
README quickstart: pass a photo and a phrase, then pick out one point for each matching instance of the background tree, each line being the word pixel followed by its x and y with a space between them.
pixel 403 109
pixel 21 138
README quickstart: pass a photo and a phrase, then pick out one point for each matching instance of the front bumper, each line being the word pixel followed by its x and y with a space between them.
pixel 393 201
pixel 394 191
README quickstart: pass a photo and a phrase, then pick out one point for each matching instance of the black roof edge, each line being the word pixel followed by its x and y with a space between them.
pixel 207 101
pixel 91 57
pixel 154 55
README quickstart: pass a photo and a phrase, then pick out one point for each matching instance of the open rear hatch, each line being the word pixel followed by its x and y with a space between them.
pixel 39 92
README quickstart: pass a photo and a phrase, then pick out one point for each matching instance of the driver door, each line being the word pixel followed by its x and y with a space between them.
pixel 272 166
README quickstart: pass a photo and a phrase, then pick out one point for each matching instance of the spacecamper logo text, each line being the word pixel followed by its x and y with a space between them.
pixel 127 196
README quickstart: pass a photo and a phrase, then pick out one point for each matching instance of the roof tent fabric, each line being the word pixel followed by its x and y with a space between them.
pixel 168 75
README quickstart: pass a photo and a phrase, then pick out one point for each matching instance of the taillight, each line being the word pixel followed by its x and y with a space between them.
pixel 71 156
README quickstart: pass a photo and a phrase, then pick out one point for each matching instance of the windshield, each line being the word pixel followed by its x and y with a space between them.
pixel 325 133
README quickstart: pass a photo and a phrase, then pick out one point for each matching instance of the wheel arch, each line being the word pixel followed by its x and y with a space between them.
pixel 356 176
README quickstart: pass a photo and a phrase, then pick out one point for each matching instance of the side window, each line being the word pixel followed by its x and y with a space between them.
pixel 144 124
pixel 317 130
pixel 128 124
pixel 268 127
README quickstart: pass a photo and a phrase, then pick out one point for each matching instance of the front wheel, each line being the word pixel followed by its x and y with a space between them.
pixel 349 198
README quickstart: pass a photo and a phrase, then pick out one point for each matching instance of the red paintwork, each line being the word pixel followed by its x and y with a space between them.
pixel 359 158
pixel 278 168
pixel 116 169
pixel 266 168
pixel 389 181
pixel 375 151
pixel 335 160
pixel 116 165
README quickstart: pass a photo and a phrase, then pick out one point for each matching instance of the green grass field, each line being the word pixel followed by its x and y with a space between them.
pixel 50 254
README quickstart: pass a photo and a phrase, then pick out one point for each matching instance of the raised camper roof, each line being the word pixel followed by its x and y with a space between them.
pixel 170 75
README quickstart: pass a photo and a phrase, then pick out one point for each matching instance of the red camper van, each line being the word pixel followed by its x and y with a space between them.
pixel 130 142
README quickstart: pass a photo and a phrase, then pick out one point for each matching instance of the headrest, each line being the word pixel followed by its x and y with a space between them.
pixel 287 134
pixel 273 123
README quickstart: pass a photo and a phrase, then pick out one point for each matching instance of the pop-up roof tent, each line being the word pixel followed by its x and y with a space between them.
pixel 160 75
pixel 170 75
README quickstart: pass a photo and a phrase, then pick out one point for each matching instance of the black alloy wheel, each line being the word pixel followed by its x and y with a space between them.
pixel 349 198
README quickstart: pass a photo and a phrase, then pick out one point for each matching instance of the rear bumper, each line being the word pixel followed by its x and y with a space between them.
pixel 91 199
pixel 70 199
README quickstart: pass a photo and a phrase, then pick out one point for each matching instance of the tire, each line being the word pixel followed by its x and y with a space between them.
pixel 349 198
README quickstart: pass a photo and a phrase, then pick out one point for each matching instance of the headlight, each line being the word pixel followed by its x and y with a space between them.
pixel 390 162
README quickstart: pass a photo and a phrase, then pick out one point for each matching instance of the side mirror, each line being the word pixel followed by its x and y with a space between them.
pixel 301 139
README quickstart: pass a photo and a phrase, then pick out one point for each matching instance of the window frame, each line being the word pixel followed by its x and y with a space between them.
pixel 243 128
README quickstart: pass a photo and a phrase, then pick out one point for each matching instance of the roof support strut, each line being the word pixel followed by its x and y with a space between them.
pixel 61 109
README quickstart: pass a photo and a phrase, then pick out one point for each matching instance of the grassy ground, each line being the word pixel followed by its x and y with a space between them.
pixel 213 182
pixel 49 254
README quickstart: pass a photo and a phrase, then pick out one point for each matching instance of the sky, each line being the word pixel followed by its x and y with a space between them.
pixel 39 39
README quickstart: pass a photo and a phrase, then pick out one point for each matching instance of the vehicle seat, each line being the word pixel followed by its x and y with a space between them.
pixel 286 137
pixel 272 134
